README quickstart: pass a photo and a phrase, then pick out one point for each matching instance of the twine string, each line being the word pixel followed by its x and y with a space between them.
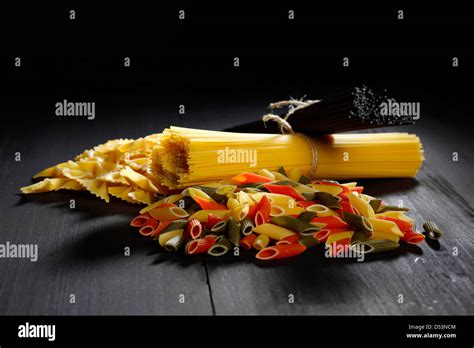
pixel 285 127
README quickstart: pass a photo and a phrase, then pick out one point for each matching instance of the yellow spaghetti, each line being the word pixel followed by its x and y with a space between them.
pixel 186 157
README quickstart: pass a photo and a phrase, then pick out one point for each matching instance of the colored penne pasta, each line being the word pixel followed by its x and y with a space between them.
pixel 234 232
pixel 432 230
pixel 168 213
pixel 294 224
pixel 199 246
pixel 297 214
pixel 277 252
pixel 261 242
pixel 273 231
pixel 193 229
pixel 247 241
pixel 221 247
pixel 246 226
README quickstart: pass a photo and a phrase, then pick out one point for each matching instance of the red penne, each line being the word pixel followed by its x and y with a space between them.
pixel 281 251
pixel 165 205
pixel 285 190
pixel 283 242
pixel 140 220
pixel 402 225
pixel 337 230
pixel 322 235
pixel 250 178
pixel 358 189
pixel 199 246
pixel 252 211
pixel 208 205
pixel 412 237
pixel 294 238
pixel 149 227
pixel 193 229
pixel 345 204
pixel 161 226
pixel 344 241
pixel 211 237
pixel 331 221
pixel 247 241
pixel 263 211
pixel 305 204
pixel 212 220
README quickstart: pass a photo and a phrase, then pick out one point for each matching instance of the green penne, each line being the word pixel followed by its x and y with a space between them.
pixel 212 192
pixel 309 196
pixel 207 232
pixel 220 227
pixel 286 183
pixel 255 185
pixel 246 226
pixel 374 246
pixel 252 190
pixel 282 171
pixel 328 200
pixel 308 241
pixel 304 180
pixel 234 232
pixel 359 236
pixel 206 189
pixel 294 224
pixel 384 208
pixel 375 204
pixel 226 189
pixel 432 230
pixel 221 247
pixel 174 243
pixel 307 216
pixel 358 223
pixel 193 207
pixel 175 225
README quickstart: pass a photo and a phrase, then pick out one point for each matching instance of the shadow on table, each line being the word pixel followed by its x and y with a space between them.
pixel 88 206
pixel 99 243
pixel 380 187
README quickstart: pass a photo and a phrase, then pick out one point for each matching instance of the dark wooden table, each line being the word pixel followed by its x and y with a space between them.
pixel 81 250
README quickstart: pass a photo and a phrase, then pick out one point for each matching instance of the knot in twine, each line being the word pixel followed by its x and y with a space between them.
pixel 285 126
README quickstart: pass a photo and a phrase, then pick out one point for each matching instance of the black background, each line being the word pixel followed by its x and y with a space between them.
pixel 191 61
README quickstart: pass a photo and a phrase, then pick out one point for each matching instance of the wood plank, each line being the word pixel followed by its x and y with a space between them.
pixel 81 251
pixel 431 281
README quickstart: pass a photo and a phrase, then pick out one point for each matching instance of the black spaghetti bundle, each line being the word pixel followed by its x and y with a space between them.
pixel 354 109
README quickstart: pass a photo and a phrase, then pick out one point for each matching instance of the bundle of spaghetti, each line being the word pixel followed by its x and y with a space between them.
pixel 186 157
pixel 354 109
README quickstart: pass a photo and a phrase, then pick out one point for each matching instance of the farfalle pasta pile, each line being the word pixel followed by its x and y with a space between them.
pixel 118 168
pixel 279 216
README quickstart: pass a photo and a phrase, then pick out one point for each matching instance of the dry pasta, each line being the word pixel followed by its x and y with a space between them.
pixel 351 226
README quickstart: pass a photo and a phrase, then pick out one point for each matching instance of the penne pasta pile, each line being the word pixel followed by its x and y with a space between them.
pixel 278 214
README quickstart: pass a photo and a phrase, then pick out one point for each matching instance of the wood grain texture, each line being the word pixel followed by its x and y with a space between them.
pixel 431 279
pixel 81 250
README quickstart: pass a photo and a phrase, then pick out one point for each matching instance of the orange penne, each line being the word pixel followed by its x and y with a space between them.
pixel 247 241
pixel 148 228
pixel 280 251
pixel 193 228
pixel 140 220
